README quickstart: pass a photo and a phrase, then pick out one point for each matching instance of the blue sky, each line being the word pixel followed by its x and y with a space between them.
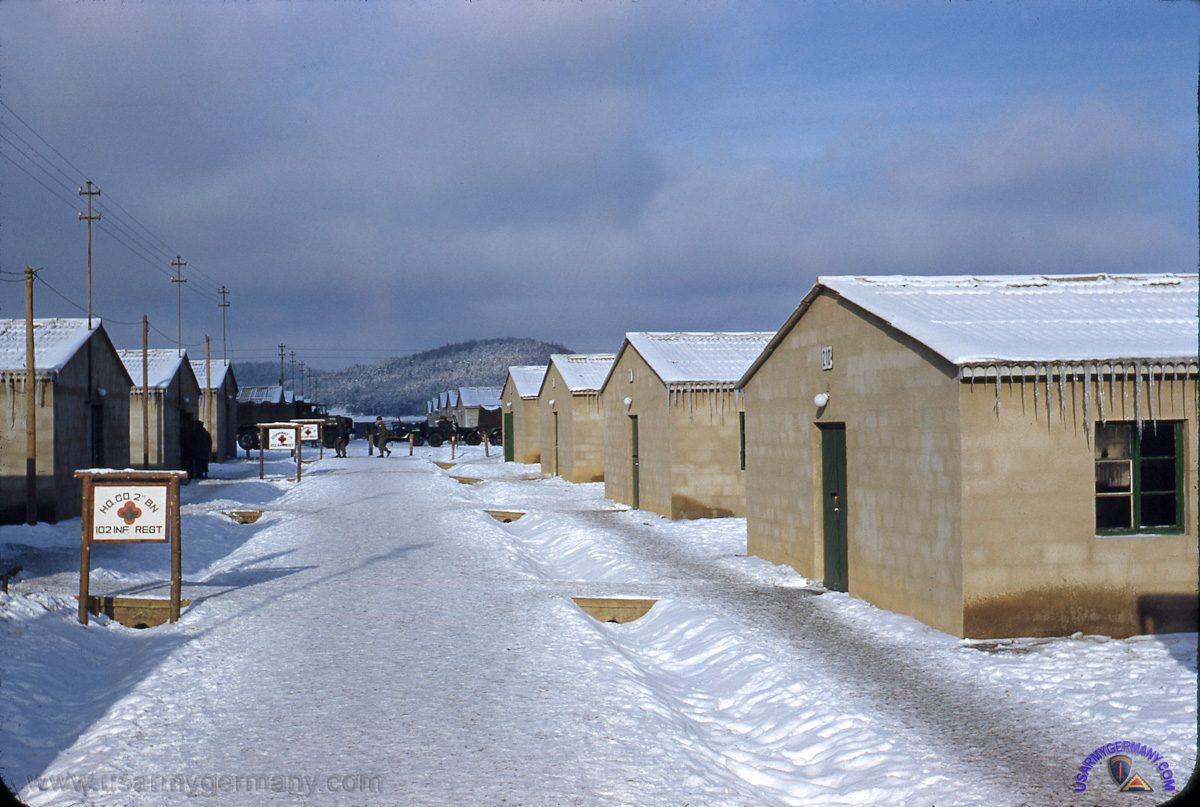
pixel 370 179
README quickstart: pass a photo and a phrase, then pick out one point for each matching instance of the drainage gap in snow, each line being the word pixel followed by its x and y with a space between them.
pixel 614 609
pixel 466 480
pixel 445 466
pixel 244 516
pixel 134 612
pixel 505 516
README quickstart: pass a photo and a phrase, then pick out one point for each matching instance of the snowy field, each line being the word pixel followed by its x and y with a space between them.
pixel 377 639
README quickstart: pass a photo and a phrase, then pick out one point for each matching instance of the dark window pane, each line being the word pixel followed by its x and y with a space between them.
pixel 1158 510
pixel 1158 476
pixel 1158 440
pixel 1112 441
pixel 1114 513
pixel 1114 477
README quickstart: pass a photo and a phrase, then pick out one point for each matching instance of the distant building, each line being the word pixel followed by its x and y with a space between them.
pixel 672 439
pixel 263 405
pixel 174 400
pixel 81 415
pixel 572 431
pixel 478 408
pixel 218 405
pixel 522 428
pixel 448 405
pixel 995 456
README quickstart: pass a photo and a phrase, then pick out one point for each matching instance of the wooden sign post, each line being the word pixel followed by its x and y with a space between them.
pixel 126 507
pixel 311 430
pixel 279 436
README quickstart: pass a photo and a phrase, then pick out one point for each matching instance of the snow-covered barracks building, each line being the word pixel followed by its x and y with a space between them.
pixel 995 456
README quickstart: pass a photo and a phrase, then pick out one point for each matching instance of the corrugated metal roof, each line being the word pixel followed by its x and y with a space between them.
pixel 583 372
pixel 528 379
pixel 219 368
pixel 55 341
pixel 1036 318
pixel 162 365
pixel 485 397
pixel 699 358
pixel 260 395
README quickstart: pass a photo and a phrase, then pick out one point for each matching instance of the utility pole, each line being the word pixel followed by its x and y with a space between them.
pixel 293 371
pixel 301 379
pixel 281 364
pixel 89 218
pixel 210 415
pixel 146 393
pixel 224 334
pixel 31 508
pixel 179 263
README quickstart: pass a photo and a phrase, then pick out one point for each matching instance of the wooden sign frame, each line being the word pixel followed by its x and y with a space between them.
pixel 264 431
pixel 320 438
pixel 139 491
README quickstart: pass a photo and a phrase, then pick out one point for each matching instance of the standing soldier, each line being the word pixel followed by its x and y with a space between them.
pixel 340 444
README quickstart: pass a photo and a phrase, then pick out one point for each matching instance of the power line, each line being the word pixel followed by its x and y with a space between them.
pixel 134 235
pixel 39 137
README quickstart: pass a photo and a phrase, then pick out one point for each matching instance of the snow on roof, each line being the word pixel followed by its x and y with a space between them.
pixel 682 358
pixel 1036 318
pixel 55 341
pixel 219 368
pixel 528 379
pixel 583 372
pixel 484 397
pixel 260 395
pixel 162 365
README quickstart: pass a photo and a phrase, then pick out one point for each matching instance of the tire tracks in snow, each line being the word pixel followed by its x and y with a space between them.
pixel 968 728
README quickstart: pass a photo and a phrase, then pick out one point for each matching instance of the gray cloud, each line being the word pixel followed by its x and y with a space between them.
pixel 394 176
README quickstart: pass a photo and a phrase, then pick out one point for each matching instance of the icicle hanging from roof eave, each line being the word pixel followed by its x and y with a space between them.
pixel 1087 403
pixel 996 367
pixel 1049 381
pixel 1151 393
pixel 1036 405
pixel 1124 391
pixel 1062 394
pixel 1137 395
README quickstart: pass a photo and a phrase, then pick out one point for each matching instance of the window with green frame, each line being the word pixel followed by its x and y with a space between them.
pixel 1139 478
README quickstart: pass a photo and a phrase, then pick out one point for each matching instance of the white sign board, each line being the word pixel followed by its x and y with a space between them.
pixel 310 431
pixel 281 438
pixel 130 512
pixel 827 357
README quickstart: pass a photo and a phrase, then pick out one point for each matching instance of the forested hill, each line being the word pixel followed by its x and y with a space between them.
pixel 402 385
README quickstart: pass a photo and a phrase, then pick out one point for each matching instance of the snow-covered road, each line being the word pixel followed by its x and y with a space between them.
pixel 378 639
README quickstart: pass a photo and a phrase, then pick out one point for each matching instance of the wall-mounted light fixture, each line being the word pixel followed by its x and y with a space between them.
pixel 821 399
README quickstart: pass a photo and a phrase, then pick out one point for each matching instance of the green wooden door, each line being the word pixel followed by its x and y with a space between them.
pixel 633 448
pixel 509 455
pixel 833 492
pixel 556 471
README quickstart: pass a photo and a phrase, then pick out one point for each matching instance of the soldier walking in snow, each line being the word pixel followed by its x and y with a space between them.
pixel 381 437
